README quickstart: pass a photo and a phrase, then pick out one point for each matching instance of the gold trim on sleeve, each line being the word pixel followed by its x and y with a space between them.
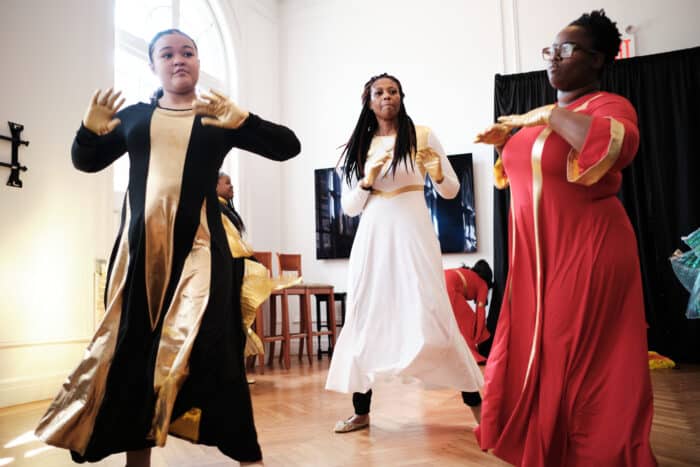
pixel 594 173
pixel 463 279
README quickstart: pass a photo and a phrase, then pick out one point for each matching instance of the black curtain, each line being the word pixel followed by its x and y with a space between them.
pixel 660 190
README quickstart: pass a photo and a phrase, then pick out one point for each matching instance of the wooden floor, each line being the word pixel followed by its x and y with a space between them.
pixel 411 426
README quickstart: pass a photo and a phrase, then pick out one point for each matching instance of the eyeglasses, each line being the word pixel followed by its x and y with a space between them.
pixel 563 50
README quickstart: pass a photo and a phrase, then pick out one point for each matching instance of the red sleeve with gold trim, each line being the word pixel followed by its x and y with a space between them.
pixel 611 142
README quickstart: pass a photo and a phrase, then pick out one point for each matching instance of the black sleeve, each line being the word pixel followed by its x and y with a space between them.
pixel 92 153
pixel 267 139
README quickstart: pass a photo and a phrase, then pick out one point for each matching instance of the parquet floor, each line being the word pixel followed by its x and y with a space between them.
pixel 411 426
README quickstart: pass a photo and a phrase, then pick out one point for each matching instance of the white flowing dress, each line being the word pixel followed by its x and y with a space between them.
pixel 399 319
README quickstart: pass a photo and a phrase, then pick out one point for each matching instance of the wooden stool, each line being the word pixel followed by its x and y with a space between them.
pixel 292 263
pixel 265 258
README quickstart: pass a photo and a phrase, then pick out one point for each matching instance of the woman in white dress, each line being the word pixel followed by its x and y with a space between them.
pixel 400 321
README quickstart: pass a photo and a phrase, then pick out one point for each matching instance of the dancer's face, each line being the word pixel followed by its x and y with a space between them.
pixel 581 68
pixel 176 63
pixel 224 188
pixel 385 99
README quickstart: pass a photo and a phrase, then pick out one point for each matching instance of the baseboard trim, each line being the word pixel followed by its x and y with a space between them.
pixel 17 391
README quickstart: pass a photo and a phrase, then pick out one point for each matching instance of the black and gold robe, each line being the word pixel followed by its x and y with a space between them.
pixel 168 355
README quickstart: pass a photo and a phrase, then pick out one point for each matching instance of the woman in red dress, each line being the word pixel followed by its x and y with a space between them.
pixel 464 284
pixel 567 382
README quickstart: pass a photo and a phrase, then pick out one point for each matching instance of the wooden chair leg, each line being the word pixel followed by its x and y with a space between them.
pixel 285 330
pixel 302 326
pixel 273 328
pixel 306 309
pixel 330 309
pixel 260 331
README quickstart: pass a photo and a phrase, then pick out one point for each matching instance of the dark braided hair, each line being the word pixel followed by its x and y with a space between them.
pixel 355 153
pixel 602 31
pixel 158 93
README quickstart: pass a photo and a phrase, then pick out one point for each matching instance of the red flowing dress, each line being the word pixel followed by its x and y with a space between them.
pixel 464 285
pixel 567 381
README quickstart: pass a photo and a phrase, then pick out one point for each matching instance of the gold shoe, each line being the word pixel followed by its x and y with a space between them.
pixel 346 426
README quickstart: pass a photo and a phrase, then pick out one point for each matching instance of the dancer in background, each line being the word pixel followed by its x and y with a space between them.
pixel 567 381
pixel 244 266
pixel 399 321
pixel 168 355
pixel 465 284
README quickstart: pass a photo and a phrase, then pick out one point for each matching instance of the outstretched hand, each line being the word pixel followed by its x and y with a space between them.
pixel 497 134
pixel 220 110
pixel 535 117
pixel 99 116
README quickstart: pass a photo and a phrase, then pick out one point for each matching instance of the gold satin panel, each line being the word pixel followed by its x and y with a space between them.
pixel 537 182
pixel 600 168
pixel 256 288
pixel 170 136
pixel 69 421
pixel 180 327
pixel 187 426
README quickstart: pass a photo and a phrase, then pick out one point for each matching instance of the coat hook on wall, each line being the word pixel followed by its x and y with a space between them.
pixel 14 165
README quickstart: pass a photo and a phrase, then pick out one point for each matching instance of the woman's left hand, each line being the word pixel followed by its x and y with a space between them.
pixel 535 117
pixel 225 112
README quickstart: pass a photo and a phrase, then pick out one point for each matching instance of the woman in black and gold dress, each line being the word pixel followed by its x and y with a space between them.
pixel 168 356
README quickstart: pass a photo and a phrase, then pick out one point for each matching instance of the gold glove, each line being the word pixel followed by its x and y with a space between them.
pixel 500 179
pixel 99 116
pixel 373 170
pixel 535 117
pixel 225 112
pixel 497 134
pixel 429 161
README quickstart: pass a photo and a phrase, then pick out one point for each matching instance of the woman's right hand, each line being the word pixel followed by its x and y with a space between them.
pixel 373 170
pixel 99 116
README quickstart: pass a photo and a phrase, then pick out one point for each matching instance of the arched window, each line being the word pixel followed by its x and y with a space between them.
pixel 136 22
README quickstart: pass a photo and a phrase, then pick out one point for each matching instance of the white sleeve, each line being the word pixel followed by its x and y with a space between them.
pixel 449 188
pixel 354 197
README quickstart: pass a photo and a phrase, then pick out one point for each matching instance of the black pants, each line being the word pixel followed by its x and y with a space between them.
pixel 361 402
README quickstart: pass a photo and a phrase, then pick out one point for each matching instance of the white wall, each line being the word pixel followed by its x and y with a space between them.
pixel 255 31
pixel 446 54
pixel 54 228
